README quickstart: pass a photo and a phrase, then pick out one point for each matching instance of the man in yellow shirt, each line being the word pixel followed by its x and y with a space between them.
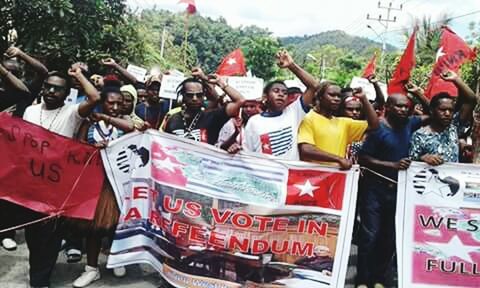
pixel 322 137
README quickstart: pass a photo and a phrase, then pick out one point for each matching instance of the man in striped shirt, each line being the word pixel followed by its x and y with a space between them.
pixel 274 131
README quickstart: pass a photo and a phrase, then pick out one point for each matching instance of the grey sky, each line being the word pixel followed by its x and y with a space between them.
pixel 299 17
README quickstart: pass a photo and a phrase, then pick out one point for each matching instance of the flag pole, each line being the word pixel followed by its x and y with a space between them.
pixel 185 41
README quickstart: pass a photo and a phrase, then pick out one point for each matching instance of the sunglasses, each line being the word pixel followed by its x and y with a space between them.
pixel 56 88
pixel 191 95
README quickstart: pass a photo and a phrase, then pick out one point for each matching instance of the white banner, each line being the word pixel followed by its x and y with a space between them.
pixel 205 218
pixel 168 89
pixel 368 88
pixel 138 72
pixel 251 88
pixel 438 226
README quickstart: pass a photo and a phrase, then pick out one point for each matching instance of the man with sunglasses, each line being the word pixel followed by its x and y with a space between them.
pixel 192 121
pixel 44 239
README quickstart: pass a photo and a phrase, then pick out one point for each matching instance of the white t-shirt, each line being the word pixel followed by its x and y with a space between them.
pixel 276 133
pixel 64 120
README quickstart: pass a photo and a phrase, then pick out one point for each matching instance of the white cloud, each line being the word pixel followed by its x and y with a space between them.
pixel 299 17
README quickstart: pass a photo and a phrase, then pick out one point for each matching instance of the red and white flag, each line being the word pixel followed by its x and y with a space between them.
pixel 316 188
pixel 371 67
pixel 165 167
pixel 453 52
pixel 233 64
pixel 401 76
pixel 191 8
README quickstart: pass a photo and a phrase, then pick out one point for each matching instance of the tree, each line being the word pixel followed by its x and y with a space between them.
pixel 64 31
pixel 260 55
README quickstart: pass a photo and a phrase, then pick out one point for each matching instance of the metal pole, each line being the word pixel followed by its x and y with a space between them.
pixel 163 42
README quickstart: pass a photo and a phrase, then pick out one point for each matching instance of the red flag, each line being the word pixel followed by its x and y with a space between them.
pixel 46 172
pixel 404 68
pixel 316 188
pixel 371 67
pixel 453 52
pixel 165 167
pixel 233 64
pixel 191 8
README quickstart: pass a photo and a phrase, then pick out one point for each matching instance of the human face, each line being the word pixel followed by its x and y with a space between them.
pixel 152 91
pixel 353 109
pixel 113 104
pixel 331 98
pixel 54 92
pixel 277 97
pixel 97 81
pixel 399 108
pixel 193 95
pixel 127 106
pixel 142 95
pixel 443 113
pixel 250 108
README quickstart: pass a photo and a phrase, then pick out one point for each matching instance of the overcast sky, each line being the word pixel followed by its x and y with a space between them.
pixel 300 17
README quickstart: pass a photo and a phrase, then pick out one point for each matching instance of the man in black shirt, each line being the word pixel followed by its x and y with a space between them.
pixel 194 123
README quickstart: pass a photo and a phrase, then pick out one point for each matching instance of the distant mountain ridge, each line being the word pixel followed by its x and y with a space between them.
pixel 338 38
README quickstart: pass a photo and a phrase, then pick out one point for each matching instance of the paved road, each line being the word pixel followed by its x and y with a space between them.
pixel 14 272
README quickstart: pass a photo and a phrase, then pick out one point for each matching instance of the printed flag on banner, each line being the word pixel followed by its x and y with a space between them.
pixel 438 226
pixel 453 52
pixel 47 172
pixel 204 218
pixel 191 8
pixel 233 64
pixel 316 188
pixel 371 67
pixel 401 75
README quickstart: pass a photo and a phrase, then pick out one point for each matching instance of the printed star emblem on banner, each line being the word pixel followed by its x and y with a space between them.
pixel 266 146
pixel 455 248
pixel 231 61
pixel 306 189
pixel 166 164
pixel 439 54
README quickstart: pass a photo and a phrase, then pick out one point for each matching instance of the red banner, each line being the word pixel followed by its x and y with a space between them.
pixel 46 172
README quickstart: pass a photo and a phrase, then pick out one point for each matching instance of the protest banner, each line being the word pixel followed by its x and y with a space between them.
pixel 438 226
pixel 168 89
pixel 138 72
pixel 46 172
pixel 205 218
pixel 250 87
pixel 368 88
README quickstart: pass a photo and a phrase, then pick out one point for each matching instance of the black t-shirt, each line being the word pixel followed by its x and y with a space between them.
pixel 206 128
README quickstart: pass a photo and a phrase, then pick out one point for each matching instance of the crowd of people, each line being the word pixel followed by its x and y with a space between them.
pixel 326 124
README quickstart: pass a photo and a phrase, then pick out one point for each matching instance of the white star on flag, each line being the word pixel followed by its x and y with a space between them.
pixel 231 61
pixel 165 164
pixel 266 146
pixel 455 248
pixel 439 54
pixel 306 189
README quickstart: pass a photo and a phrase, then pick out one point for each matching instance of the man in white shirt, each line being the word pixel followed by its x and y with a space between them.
pixel 274 131
pixel 44 239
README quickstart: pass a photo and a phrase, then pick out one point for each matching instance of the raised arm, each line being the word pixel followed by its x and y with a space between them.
pixel 127 76
pixel 418 93
pixel 232 108
pixel 91 92
pixel 464 93
pixel 372 118
pixel 379 96
pixel 126 125
pixel 212 93
pixel 39 68
pixel 284 60
pixel 16 83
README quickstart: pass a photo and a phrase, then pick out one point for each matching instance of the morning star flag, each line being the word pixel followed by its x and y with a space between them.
pixel 401 75
pixel 451 54
pixel 205 218
pixel 233 64
pixel 438 226
pixel 371 67
pixel 47 172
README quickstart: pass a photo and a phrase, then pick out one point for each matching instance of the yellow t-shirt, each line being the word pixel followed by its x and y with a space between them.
pixel 330 135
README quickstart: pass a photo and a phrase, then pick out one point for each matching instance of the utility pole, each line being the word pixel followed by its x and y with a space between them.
pixel 164 33
pixel 385 23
